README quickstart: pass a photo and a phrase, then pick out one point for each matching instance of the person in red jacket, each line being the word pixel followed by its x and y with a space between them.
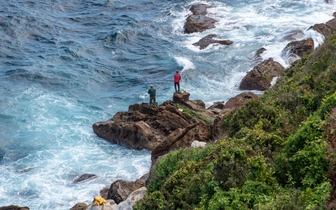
pixel 177 79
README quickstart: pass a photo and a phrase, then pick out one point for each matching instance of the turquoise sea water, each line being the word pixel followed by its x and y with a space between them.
pixel 68 64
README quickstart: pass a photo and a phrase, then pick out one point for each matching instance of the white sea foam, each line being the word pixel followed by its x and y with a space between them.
pixel 62 142
pixel 185 63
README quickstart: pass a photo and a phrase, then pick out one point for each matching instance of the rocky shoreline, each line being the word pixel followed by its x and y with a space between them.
pixel 181 122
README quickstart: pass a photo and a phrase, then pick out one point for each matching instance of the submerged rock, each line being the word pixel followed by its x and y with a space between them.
pixel 211 39
pixel 85 177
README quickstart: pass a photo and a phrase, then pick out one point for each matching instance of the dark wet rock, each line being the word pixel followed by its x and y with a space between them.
pixel 198 21
pixel 80 206
pixel 297 49
pixel 120 189
pixel 85 177
pixel 13 207
pixel 211 39
pixel 326 29
pixel 261 76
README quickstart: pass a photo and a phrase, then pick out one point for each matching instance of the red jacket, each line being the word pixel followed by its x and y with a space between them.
pixel 177 77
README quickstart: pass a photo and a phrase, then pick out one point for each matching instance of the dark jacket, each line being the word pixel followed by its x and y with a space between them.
pixel 152 91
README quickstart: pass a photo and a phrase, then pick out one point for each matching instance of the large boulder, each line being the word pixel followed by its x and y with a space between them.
pixel 132 199
pixel 143 127
pixel 261 76
pixel 198 21
pixel 238 101
pixel 121 189
pixel 211 39
pixel 297 49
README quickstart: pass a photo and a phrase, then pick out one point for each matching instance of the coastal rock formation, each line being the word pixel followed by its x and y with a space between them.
pixel 326 29
pixel 144 127
pixel 85 177
pixel 231 105
pixel 261 76
pixel 80 206
pixel 211 39
pixel 217 105
pixel 238 101
pixel 132 199
pixel 198 21
pixel 297 49
pixel 120 189
pixel 13 207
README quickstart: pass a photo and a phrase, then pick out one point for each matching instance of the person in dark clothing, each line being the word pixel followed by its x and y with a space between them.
pixel 152 96
pixel 177 79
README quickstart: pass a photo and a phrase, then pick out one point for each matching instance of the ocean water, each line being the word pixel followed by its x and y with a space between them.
pixel 66 64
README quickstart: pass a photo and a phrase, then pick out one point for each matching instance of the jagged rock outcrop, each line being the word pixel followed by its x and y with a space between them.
pixel 121 189
pixel 198 21
pixel 211 39
pixel 297 49
pixel 261 76
pixel 326 29
pixel 144 127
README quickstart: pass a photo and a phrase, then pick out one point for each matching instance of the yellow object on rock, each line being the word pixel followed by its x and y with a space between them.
pixel 98 201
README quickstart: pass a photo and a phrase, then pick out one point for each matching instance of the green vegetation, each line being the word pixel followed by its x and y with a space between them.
pixel 193 113
pixel 279 151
